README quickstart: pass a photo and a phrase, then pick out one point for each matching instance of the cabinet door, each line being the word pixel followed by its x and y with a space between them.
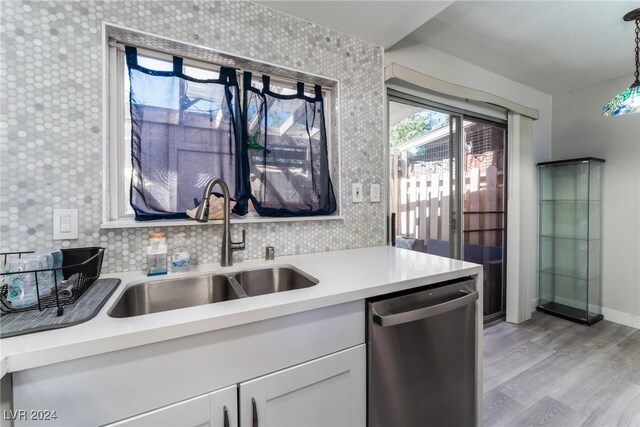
pixel 201 411
pixel 223 407
pixel 330 391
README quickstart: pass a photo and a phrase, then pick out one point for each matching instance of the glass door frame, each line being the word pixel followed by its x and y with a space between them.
pixel 455 173
pixel 456 176
pixel 503 124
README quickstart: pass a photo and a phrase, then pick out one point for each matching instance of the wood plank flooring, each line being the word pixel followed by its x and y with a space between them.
pixel 552 372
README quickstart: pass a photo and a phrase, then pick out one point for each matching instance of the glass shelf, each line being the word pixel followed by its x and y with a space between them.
pixel 569 201
pixel 571 219
pixel 580 239
pixel 571 274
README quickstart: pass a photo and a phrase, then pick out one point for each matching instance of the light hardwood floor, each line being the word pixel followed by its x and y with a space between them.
pixel 553 372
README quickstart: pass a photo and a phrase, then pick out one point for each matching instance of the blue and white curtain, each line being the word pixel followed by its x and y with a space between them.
pixel 185 131
pixel 287 151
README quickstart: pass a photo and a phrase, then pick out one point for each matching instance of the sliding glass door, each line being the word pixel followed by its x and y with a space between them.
pixel 447 188
pixel 484 207
pixel 423 143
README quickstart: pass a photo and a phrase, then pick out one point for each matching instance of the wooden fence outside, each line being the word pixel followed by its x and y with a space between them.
pixel 422 208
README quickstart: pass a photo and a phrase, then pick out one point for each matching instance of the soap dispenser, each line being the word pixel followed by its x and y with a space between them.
pixel 181 260
pixel 157 254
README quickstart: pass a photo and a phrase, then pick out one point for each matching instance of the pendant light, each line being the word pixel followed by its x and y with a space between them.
pixel 628 101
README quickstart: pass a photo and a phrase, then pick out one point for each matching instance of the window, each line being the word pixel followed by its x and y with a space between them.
pixel 282 121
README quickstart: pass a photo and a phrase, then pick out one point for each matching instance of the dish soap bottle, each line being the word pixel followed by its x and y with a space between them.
pixel 157 254
pixel 181 260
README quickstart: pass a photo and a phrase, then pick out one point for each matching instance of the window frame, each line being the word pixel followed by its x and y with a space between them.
pixel 116 198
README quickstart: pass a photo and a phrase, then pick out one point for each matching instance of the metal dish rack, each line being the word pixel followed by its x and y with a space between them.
pixel 80 268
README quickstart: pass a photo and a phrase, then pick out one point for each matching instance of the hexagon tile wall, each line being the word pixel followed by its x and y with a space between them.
pixel 51 119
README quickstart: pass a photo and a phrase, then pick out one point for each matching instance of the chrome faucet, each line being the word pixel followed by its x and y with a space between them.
pixel 202 215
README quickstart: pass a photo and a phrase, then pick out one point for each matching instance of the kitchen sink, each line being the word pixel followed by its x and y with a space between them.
pixel 270 280
pixel 163 295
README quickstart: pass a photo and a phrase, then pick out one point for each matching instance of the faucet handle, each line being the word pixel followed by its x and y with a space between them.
pixel 239 245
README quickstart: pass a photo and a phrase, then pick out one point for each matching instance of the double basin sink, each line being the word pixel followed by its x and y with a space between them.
pixel 163 295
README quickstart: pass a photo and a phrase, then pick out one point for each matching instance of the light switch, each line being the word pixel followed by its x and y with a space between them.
pixel 356 192
pixel 65 224
pixel 374 193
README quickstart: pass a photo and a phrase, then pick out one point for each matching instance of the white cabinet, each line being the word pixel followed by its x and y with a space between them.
pixel 329 391
pixel 223 407
pixel 166 379
pixel 217 409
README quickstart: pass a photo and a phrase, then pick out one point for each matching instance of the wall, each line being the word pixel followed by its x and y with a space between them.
pixel 51 121
pixel 522 260
pixel 580 130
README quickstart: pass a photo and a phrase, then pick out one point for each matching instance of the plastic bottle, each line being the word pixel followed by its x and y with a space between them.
pixel 21 292
pixel 181 259
pixel 50 259
pixel 21 288
pixel 157 254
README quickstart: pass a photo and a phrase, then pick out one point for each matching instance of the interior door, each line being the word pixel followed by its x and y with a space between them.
pixel 330 391
pixel 423 204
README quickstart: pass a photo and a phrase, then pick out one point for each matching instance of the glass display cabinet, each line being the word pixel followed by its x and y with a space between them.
pixel 570 203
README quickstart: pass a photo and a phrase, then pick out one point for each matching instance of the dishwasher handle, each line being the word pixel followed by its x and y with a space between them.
pixel 423 313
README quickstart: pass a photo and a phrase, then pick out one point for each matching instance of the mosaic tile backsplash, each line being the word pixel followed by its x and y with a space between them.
pixel 51 148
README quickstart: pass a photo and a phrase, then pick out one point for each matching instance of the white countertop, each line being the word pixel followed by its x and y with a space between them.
pixel 344 276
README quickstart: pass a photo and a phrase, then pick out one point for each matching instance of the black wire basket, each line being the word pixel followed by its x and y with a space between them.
pixel 80 268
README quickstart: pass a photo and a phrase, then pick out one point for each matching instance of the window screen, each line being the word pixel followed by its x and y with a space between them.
pixel 185 131
pixel 286 146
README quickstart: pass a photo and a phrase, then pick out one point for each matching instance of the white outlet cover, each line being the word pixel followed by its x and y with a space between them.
pixel 374 193
pixel 356 192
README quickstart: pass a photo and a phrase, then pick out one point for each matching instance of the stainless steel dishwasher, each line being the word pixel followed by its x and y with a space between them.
pixel 421 356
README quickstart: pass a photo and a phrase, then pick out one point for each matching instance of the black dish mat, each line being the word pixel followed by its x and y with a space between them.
pixel 85 308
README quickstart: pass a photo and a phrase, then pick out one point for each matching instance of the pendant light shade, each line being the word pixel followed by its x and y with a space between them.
pixel 628 101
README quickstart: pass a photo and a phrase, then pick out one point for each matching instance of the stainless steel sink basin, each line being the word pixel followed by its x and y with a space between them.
pixel 270 280
pixel 163 295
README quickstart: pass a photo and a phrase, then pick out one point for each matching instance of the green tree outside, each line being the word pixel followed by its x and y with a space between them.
pixel 415 125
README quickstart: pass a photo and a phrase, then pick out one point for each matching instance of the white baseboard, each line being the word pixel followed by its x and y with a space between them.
pixel 621 318
pixel 609 314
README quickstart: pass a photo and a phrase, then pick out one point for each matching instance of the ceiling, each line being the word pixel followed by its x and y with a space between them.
pixel 381 22
pixel 552 46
